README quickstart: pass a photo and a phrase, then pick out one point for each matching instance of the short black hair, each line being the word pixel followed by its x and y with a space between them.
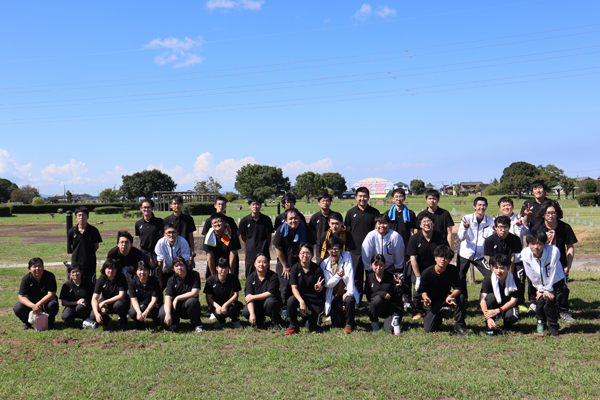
pixel 149 201
pixel 478 199
pixel 292 211
pixel 176 199
pixel 289 197
pixel 382 218
pixel 424 215
pixel 539 182
pixel 221 198
pixel 336 216
pixel 444 251
pixel 335 241
pixel 171 225
pixel 305 246
pixel 546 204
pixel 432 192
pixel 400 191
pixel 502 220
pixel 82 209
pixel 126 235
pixel 500 259
pixel 378 258
pixel 33 261
pixel 255 199
pixel 142 264
pixel 535 236
pixel 325 196
pixel 223 262
pixel 505 199
pixel 112 264
pixel 362 189
pixel 180 259
pixel 72 267
pixel 218 215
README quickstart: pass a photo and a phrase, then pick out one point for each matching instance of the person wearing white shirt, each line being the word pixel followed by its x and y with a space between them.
pixel 170 246
pixel 383 240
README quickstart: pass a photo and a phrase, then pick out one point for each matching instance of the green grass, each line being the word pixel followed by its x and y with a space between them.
pixel 250 363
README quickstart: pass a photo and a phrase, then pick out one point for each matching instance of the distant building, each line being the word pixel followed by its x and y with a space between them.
pixel 447 189
pixel 402 185
pixel 347 195
pixel 378 187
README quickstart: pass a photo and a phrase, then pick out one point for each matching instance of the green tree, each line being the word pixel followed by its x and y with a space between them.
pixel 551 174
pixel 24 194
pixel 309 184
pixel 517 177
pixel 336 182
pixel 590 186
pixel 6 189
pixel 208 186
pixel 491 190
pixel 253 176
pixel 265 192
pixel 69 196
pixel 417 186
pixel 568 185
pixel 109 195
pixel 143 184
pixel 37 200
pixel 52 200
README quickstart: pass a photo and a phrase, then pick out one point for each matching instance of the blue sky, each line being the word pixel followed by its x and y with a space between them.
pixel 443 91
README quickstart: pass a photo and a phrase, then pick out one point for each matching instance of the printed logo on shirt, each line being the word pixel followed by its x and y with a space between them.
pixel 253 282
pixel 420 244
pixel 495 245
pixel 354 216
pixel 248 225
pixel 299 274
pixel 215 285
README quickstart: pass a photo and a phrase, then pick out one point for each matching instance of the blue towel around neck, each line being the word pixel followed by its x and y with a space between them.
pixel 300 232
pixel 405 213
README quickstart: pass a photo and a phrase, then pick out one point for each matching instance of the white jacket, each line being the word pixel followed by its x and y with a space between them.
pixel 166 253
pixel 473 237
pixel 391 246
pixel 543 272
pixel 519 231
pixel 331 279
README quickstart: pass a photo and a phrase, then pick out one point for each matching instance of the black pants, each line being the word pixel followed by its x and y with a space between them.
pixel 359 272
pixel 432 319
pixel 548 310
pixel 407 281
pixel 233 312
pixel 249 267
pixel 50 308
pixel 188 309
pixel 270 307
pixel 153 313
pixel 337 312
pixel 382 308
pixel 119 307
pixel 314 318
pixel 284 284
pixel 463 270
pixel 78 311
pixel 509 316
pixel 519 275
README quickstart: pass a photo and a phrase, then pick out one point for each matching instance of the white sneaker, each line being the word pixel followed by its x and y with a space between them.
pixel 532 308
pixel 199 329
pixel 567 317
pixel 375 326
pixel 237 324
pixel 212 317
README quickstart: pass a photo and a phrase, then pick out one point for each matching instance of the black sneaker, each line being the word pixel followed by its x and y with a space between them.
pixel 276 327
pixel 461 330
pixel 27 326
pixel 123 327
pixel 552 331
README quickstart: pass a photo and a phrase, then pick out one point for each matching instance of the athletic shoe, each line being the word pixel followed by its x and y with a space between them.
pixel 418 315
pixel 553 331
pixel 237 324
pixel 567 317
pixel 123 327
pixel 407 306
pixel 218 325
pixel 461 330
pixel 375 326
pixel 198 329
pixel 348 329
pixel 276 327
pixel 292 331
pixel 446 308
pixel 502 332
pixel 212 317
pixel 27 326
pixel 173 328
pixel 532 308
pixel 522 309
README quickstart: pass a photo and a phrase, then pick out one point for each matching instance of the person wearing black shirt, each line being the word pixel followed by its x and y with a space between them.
pixel 76 296
pixel 112 286
pixel 288 201
pixel 222 293
pixel 262 295
pixel 531 208
pixel 420 249
pixel 126 256
pixel 385 291
pixel 37 293
pixel 185 223
pixel 500 295
pixel 306 279
pixel 436 282
pixel 360 220
pixel 83 240
pixel 150 229
pixel 402 220
pixel 319 222
pixel 255 232
pixel 561 235
pixel 220 241
pixel 181 297
pixel 442 220
pixel 336 229
pixel 145 295
pixel 287 241
pixel 220 207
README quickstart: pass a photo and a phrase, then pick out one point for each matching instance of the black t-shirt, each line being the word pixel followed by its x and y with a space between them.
pixel 289 247
pixel 403 228
pixel 563 236
pixel 72 292
pixel 36 290
pixel 348 244
pixel 486 287
pixel 144 293
pixel 222 250
pixel 442 220
pixel 494 245
pixel 149 232
pixel 319 223
pixel 185 225
pixel 387 286
pixel 221 292
pixel 228 219
pixel 359 223
pixel 130 260
pixel 423 249
pixel 84 248
pixel 269 284
pixel 437 286
pixel 258 234
pixel 535 208
pixel 306 282
pixel 177 286
pixel 110 289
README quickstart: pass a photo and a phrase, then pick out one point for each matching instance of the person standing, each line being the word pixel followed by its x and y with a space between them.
pixel 83 241
pixel 442 220
pixel 255 232
pixel 150 229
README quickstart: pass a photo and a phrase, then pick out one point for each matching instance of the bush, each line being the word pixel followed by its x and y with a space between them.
pixel 5 211
pixel 491 191
pixel 37 200
pixel 133 214
pixel 586 200
pixel 588 186
pixel 108 210
pixel 231 197
pixel 53 208
pixel 198 208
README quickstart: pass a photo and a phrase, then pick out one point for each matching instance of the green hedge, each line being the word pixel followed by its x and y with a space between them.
pixel 133 214
pixel 198 208
pixel 53 208
pixel 5 211
pixel 588 199
pixel 108 210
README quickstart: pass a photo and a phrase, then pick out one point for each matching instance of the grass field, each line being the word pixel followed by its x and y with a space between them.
pixel 257 364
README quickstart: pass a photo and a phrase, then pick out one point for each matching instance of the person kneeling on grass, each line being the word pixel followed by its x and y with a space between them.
pixel 306 279
pixel 222 292
pixel 436 282
pixel 341 296
pixel 112 286
pixel 181 297
pixel 544 270
pixel 500 295
pixel 385 291
pixel 263 296
pixel 37 293
pixel 146 296
pixel 76 296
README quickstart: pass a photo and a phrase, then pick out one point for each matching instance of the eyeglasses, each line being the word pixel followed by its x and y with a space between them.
pixel 550 213
pixel 171 233
pixel 334 250
pixel 305 253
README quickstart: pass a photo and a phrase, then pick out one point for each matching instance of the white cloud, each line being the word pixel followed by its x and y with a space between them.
pixel 177 51
pixel 225 171
pixel 385 11
pixel 363 13
pixel 231 4
pixel 73 168
pixel 9 167
pixel 298 167
pixel 177 173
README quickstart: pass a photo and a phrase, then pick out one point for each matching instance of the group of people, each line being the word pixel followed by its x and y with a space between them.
pixel 397 261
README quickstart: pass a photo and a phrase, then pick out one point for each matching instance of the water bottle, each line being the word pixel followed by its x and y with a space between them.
pixel 396 325
pixel 540 328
